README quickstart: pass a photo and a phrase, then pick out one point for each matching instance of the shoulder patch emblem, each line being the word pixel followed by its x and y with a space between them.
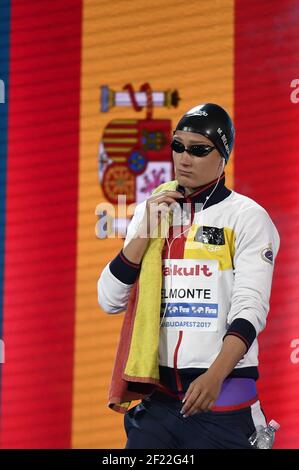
pixel 267 253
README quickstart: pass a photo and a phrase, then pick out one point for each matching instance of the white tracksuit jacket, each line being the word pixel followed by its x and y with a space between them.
pixel 218 283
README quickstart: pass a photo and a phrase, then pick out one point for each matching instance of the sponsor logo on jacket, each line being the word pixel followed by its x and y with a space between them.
pixel 196 270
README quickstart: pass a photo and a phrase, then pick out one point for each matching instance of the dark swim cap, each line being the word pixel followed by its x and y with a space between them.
pixel 212 121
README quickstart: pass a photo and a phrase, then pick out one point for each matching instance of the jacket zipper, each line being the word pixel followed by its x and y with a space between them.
pixel 175 364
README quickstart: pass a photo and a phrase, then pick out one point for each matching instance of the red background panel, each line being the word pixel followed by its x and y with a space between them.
pixel 41 230
pixel 266 169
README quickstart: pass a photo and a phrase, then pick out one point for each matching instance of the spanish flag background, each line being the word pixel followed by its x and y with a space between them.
pixel 58 346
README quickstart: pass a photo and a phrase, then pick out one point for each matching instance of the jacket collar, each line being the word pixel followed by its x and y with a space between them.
pixel 200 194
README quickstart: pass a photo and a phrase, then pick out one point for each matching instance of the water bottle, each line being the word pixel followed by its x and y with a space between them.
pixel 263 437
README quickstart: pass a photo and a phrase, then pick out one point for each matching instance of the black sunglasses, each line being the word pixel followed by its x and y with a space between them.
pixel 198 150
